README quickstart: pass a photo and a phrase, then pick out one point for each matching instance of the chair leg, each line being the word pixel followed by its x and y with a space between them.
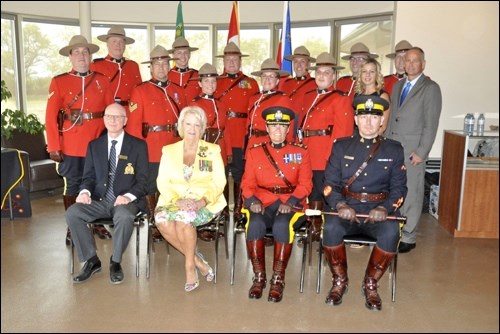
pixel 303 265
pixel 137 225
pixel 393 268
pixel 72 259
pixel 216 267
pixel 148 252
pixel 320 265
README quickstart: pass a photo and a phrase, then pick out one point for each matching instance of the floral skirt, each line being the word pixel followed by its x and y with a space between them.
pixel 172 213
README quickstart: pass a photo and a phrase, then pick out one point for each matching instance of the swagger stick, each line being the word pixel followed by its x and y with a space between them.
pixel 312 212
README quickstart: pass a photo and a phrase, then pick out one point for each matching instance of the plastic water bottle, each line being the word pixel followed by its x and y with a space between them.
pixel 469 124
pixel 480 125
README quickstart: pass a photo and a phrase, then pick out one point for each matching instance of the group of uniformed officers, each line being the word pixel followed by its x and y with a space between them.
pixel 276 143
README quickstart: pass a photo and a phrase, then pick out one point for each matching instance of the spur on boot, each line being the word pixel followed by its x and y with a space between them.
pixel 210 275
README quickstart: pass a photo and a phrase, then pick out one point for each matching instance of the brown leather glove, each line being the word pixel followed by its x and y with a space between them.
pixel 346 212
pixel 376 215
pixel 57 156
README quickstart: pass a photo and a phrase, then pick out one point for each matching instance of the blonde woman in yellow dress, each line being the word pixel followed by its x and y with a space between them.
pixel 191 181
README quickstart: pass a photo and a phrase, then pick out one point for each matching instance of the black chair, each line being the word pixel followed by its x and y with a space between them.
pixel 364 240
pixel 301 233
pixel 216 225
pixel 138 221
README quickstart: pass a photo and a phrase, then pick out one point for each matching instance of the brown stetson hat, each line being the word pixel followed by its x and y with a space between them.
pixel 270 65
pixel 116 31
pixel 179 43
pixel 325 59
pixel 359 49
pixel 78 41
pixel 402 46
pixel 301 51
pixel 207 71
pixel 159 52
pixel 231 49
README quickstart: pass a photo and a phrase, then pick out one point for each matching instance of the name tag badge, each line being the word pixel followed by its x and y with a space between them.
pixel 348 157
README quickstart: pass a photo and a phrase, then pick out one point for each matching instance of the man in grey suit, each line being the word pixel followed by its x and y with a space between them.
pixel 114 188
pixel 414 119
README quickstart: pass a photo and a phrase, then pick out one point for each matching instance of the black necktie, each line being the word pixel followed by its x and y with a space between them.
pixel 110 195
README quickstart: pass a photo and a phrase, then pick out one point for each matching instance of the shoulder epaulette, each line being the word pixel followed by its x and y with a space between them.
pixel 98 59
pixel 346 77
pixel 196 98
pixel 61 75
pixel 297 145
pixel 257 145
pixel 310 91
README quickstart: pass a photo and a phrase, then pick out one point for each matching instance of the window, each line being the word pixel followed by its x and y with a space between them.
pixel 254 42
pixel 374 32
pixel 42 61
pixel 198 37
pixel 9 68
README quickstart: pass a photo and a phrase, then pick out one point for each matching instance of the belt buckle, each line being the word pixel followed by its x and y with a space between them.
pixel 156 128
pixel 364 197
pixel 276 190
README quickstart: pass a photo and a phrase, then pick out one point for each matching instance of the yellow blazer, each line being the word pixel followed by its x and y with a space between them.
pixel 208 179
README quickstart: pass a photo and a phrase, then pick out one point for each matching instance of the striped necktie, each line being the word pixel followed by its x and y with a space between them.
pixel 110 195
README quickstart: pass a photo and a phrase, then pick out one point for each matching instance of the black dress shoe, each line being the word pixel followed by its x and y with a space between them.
pixel 406 247
pixel 115 273
pixel 88 270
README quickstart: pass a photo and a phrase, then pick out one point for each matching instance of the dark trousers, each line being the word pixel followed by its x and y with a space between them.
pixel 71 169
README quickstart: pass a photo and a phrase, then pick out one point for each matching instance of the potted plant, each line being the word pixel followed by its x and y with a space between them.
pixel 17 121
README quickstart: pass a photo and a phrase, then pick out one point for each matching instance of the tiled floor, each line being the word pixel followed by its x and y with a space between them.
pixel 444 285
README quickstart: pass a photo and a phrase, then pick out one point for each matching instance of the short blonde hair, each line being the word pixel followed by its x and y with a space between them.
pixel 192 110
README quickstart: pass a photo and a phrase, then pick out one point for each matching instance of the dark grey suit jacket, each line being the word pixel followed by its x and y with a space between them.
pixel 416 121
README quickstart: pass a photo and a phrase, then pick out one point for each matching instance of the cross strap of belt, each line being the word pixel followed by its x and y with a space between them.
pixel 267 97
pixel 299 87
pixel 77 96
pixel 232 85
pixel 363 165
pixel 275 165
pixel 327 95
pixel 120 66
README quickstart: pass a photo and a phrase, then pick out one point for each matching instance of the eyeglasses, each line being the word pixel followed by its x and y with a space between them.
pixel 268 76
pixel 358 59
pixel 114 117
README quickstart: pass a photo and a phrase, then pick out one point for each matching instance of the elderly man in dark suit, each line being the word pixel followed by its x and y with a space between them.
pixel 416 107
pixel 113 188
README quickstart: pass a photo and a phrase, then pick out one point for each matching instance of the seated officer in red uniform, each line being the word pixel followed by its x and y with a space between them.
pixel 365 175
pixel 277 178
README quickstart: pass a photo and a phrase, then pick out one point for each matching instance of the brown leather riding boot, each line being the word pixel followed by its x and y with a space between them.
pixel 316 221
pixel 337 261
pixel 68 200
pixel 151 200
pixel 238 202
pixel 256 250
pixel 282 253
pixel 377 265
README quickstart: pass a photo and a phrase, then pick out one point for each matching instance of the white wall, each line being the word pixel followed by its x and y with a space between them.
pixel 460 40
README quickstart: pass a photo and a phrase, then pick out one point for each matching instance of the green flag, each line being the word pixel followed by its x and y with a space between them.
pixel 179 23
